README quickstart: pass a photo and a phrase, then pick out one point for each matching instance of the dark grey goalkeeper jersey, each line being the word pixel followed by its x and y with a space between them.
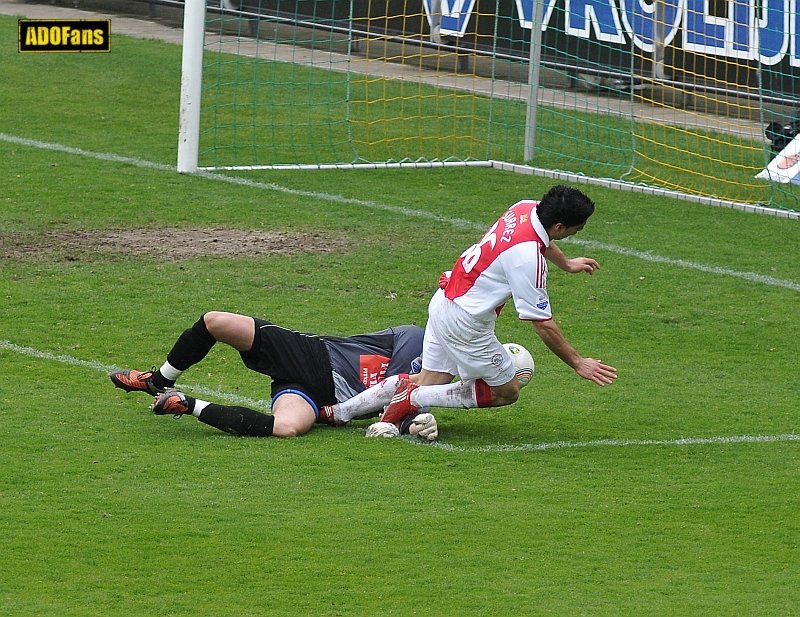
pixel 361 361
pixel 330 369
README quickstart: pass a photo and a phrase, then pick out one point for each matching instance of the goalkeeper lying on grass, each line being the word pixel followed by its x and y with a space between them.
pixel 310 374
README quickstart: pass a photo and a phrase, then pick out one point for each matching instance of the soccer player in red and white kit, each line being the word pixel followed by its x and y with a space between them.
pixel 508 263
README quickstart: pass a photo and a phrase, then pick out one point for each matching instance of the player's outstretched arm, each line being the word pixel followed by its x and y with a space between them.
pixel 574 265
pixel 594 370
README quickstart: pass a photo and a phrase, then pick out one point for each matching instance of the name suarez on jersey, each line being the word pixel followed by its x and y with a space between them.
pixel 511 222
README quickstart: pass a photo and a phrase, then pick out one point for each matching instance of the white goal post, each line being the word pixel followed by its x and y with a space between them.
pixel 194 23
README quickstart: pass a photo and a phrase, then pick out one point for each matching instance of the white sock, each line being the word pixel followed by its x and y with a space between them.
pixel 367 402
pixel 199 405
pixel 169 372
pixel 460 394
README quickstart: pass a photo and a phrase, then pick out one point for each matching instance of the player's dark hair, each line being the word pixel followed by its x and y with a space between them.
pixel 565 205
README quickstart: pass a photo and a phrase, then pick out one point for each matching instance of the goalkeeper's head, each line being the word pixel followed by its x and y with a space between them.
pixel 565 205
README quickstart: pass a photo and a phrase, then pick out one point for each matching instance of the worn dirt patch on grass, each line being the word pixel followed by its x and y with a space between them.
pixel 170 244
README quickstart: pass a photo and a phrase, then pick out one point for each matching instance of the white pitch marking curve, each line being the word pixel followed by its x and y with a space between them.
pixel 497 448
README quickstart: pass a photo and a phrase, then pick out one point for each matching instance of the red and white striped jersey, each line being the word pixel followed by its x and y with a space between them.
pixel 507 263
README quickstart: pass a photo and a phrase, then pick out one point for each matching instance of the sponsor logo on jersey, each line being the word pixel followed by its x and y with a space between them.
pixel 64 35
pixel 372 369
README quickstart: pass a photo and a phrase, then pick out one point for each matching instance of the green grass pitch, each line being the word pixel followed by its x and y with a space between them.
pixel 672 492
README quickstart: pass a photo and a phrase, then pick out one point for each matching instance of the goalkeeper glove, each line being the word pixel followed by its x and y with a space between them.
pixel 382 429
pixel 424 426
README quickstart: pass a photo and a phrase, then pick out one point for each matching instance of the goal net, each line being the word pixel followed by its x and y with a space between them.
pixel 667 96
pixel 348 82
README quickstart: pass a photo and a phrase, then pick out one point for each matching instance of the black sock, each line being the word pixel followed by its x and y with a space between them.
pixel 191 347
pixel 190 402
pixel 238 420
pixel 159 381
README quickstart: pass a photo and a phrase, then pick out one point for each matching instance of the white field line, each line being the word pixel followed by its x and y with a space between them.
pixel 409 212
pixel 538 447
pixel 107 368
pixel 753 277
pixel 607 443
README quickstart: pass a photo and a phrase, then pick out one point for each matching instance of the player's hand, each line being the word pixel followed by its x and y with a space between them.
pixel 596 371
pixel 582 264
pixel 424 426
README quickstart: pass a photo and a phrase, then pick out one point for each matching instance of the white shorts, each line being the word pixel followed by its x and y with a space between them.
pixel 456 343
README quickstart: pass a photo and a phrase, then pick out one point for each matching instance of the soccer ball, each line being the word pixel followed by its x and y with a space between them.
pixel 523 362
